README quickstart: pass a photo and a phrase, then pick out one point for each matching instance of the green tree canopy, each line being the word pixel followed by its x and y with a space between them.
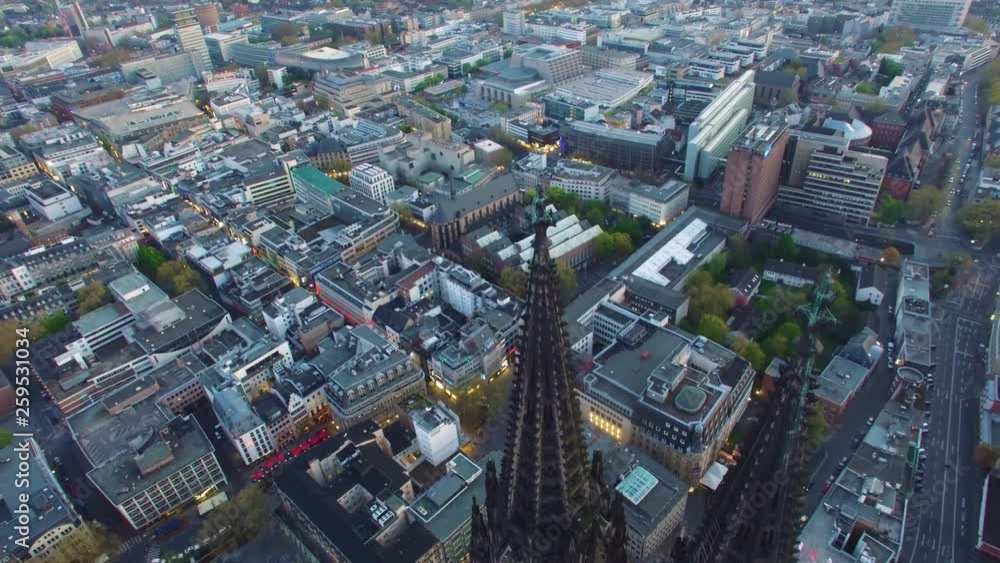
pixel 148 260
pixel 751 352
pixel 243 517
pixel 982 219
pixel 54 323
pixel 177 277
pixel 890 211
pixel 567 282
pixel 514 281
pixel 713 328
pixel 604 246
pixel 93 296
pixel 924 202
pixel 891 256
pixel 707 297
pixel 623 244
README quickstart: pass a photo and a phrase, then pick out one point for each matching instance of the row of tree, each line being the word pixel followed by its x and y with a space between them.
pixel 174 276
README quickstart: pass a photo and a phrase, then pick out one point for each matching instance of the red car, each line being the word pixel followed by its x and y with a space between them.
pixel 827 486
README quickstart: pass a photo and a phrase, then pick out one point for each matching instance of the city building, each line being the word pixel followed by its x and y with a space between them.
pixel 915 325
pixel 654 498
pixel 753 172
pixel 660 204
pixel 848 372
pixel 628 149
pixel 147 461
pixel 220 47
pixel 717 128
pixel 190 36
pixel 52 201
pixel 864 513
pixel 14 166
pixel 840 185
pixel 775 88
pixel 789 273
pixel 451 218
pixel 367 376
pixel 585 181
pixel 244 427
pixel 372 181
pixel 438 432
pixel 65 151
pixel 987 539
pixel 930 15
pixel 350 499
pixel 348 94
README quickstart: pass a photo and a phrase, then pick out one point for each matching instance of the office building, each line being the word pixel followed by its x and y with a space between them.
pixel 438 432
pixel 372 181
pixel 553 64
pixel 629 149
pixel 753 172
pixel 244 428
pixel 14 166
pixel 348 94
pixel 54 525
pixel 585 181
pixel 679 416
pixel 839 184
pixel 513 22
pixel 190 36
pixel 208 16
pixel 660 204
pixel 52 201
pixel 930 15
pixel 65 151
pixel 367 376
pixel 147 461
pixel 220 47
pixel 717 127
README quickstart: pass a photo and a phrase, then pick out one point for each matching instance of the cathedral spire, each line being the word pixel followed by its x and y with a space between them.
pixel 542 508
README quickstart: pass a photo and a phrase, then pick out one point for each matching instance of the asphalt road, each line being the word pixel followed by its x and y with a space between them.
pixel 944 516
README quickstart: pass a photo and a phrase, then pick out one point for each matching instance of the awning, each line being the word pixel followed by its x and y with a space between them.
pixel 713 477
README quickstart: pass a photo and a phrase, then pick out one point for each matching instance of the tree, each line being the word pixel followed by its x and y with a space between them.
pixel 403 210
pixel 595 217
pixel 893 39
pixel 986 456
pixel 982 219
pixel 177 277
pixel 604 246
pixel 322 101
pixel 54 323
pixel 713 328
pixel 243 517
pixel 623 244
pixel 785 248
pixel 890 68
pixel 93 296
pixel 777 346
pixel 716 266
pixel 739 256
pixel 923 203
pixel 148 260
pixel 89 542
pixel 790 331
pixel 514 281
pixel 6 437
pixel 567 282
pixel 750 351
pixel 632 227
pixel 707 297
pixel 890 211
pixel 891 256
pixel 788 98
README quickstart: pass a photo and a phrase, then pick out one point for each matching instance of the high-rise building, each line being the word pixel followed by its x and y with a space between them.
pixel 190 37
pixel 208 17
pixel 753 170
pixel 717 127
pixel 547 504
pixel 930 15
pixel 839 183
pixel 513 22
pixel 372 181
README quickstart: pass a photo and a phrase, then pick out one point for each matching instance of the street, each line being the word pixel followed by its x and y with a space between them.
pixel 943 517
